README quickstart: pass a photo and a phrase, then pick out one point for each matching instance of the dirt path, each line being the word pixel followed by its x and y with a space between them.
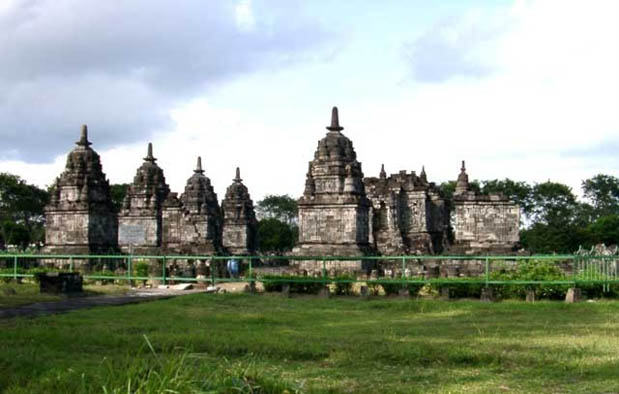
pixel 69 304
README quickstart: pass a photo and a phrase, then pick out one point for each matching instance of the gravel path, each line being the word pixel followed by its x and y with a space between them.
pixel 72 303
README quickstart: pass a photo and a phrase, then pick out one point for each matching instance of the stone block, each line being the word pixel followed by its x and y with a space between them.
pixel 324 292
pixel 574 294
pixel 364 291
pixel 530 295
pixel 487 295
pixel 445 293
pixel 404 293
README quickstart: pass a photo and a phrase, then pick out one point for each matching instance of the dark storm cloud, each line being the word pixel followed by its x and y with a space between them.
pixel 121 65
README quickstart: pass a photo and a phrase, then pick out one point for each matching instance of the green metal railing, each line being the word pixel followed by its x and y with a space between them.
pixel 578 269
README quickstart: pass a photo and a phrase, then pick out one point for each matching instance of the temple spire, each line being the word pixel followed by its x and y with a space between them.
pixel 84 137
pixel 237 178
pixel 199 169
pixel 335 121
pixel 383 174
pixel 463 169
pixel 149 154
pixel 423 175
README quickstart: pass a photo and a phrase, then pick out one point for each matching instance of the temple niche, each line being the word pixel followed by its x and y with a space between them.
pixel 408 214
pixel 140 219
pixel 482 223
pixel 80 217
pixel 192 223
pixel 240 228
pixel 333 211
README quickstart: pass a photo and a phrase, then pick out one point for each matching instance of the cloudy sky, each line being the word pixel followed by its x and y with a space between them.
pixel 522 89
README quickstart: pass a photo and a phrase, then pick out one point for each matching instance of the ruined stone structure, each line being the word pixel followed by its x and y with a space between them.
pixel 240 227
pixel 333 211
pixel 408 214
pixel 193 223
pixel 482 223
pixel 140 220
pixel 80 217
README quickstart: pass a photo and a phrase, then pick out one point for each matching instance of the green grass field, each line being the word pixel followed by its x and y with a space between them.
pixel 265 343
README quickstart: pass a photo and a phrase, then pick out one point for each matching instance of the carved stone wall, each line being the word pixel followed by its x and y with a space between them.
pixel 483 224
pixel 408 214
pixel 80 217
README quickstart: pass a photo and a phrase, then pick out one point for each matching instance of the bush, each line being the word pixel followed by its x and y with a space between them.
pixel 460 287
pixel 393 286
pixel 542 270
pixel 345 287
pixel 298 284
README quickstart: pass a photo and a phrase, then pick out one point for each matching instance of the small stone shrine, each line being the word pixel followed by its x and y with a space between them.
pixel 193 223
pixel 333 211
pixel 240 227
pixel 80 217
pixel 482 223
pixel 140 220
pixel 408 214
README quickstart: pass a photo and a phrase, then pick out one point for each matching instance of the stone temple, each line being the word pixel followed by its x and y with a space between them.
pixel 140 219
pixel 334 209
pixel 80 217
pixel 341 212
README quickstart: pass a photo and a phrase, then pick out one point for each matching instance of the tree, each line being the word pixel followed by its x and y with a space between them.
pixel 605 230
pixel 21 210
pixel 276 236
pixel 282 208
pixel 603 193
pixel 518 192
pixel 277 225
pixel 118 193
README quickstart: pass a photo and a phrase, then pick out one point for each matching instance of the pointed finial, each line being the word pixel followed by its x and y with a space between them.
pixel 199 169
pixel 84 137
pixel 238 179
pixel 463 167
pixel 149 154
pixel 383 174
pixel 423 173
pixel 335 121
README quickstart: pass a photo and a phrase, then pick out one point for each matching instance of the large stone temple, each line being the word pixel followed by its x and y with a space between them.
pixel 80 217
pixel 341 212
pixel 334 209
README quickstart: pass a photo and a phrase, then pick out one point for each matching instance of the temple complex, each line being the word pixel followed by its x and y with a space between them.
pixel 341 213
pixel 240 229
pixel 482 223
pixel 80 217
pixel 140 220
pixel 334 209
pixel 193 223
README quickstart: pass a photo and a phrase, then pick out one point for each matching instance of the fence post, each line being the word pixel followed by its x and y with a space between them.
pixel 163 271
pixel 403 267
pixel 15 268
pixel 129 270
pixel 250 270
pixel 71 263
pixel 487 268
pixel 214 265
pixel 324 271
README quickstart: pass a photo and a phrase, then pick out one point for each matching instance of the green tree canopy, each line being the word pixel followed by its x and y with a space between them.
pixel 603 193
pixel 275 236
pixel 118 192
pixel 280 207
pixel 21 210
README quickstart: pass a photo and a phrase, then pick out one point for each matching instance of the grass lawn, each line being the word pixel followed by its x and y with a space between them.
pixel 265 343
pixel 28 293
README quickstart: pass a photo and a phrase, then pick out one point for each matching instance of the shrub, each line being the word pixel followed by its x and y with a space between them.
pixel 393 286
pixel 460 287
pixel 302 285
pixel 343 284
